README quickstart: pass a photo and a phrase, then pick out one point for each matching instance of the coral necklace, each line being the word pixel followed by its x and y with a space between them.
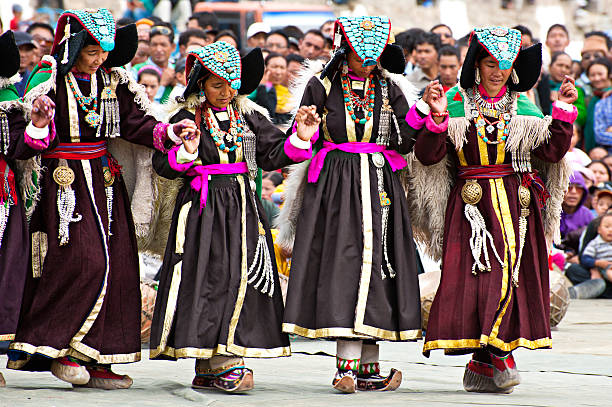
pixel 352 100
pixel 91 117
pixel 223 138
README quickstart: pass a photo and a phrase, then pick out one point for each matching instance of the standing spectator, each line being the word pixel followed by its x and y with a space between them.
pixel 327 28
pixel 312 45
pixel 557 38
pixel 406 40
pixel 227 36
pixel 277 42
pixel 149 76
pixel 191 37
pixel 574 155
pixel 603 123
pixel 448 66
pixel 426 49
pixel 599 76
pixel 28 58
pixel 295 63
pixel 203 20
pixel 161 46
pixel 273 94
pixel 143 26
pixel 560 67
pixel 257 34
pixel 142 54
pixel 42 34
pixel 526 36
pixel 462 45
pixel 601 172
pixel 445 33
pixel 180 78
pixel 17 12
pixel 595 46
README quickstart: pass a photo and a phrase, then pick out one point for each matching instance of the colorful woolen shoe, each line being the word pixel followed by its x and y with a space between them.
pixel 478 377
pixel 235 379
pixel 203 381
pixel 376 382
pixel 345 381
pixel 102 377
pixel 505 373
pixel 70 370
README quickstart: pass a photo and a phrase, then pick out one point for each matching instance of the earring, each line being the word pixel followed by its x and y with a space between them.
pixel 477 76
pixel 201 94
pixel 515 78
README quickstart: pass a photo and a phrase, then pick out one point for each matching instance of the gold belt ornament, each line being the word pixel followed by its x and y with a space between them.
pixel 471 193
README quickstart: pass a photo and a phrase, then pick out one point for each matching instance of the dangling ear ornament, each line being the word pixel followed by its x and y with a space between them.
pixel 66 40
pixel 514 76
pixel 477 76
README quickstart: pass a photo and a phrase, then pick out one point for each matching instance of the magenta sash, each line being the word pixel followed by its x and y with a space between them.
pixel 395 159
pixel 201 173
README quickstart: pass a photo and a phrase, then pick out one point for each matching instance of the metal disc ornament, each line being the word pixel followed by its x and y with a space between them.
pixel 63 176
pixel 378 160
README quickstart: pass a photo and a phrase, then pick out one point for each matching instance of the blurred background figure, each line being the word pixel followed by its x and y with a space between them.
pixel 449 64
pixel 28 58
pixel 312 45
pixel 17 12
pixel 42 35
pixel 277 42
pixel 445 33
pixel 257 34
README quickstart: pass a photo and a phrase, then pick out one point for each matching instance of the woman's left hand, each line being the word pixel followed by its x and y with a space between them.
pixel 567 92
pixel 185 125
pixel 308 121
pixel 43 110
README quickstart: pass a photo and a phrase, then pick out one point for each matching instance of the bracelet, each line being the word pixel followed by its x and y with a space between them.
pixel 436 114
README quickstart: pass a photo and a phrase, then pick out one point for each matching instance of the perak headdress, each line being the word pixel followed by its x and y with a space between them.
pixel 77 27
pixel 223 60
pixel 503 44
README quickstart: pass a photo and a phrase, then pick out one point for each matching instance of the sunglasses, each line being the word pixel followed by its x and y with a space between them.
pixel 592 55
pixel 161 29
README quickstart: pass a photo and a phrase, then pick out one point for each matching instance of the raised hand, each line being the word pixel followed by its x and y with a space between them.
pixel 43 110
pixel 185 124
pixel 308 121
pixel 191 140
pixel 436 98
pixel 567 92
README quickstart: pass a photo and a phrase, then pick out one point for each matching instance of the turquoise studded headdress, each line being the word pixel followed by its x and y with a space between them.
pixel 220 58
pixel 223 60
pixel 367 36
pixel 78 28
pixel 502 43
pixel 99 23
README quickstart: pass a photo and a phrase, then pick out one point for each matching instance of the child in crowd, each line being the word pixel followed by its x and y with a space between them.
pixel 598 153
pixel 576 156
pixel 602 200
pixel 150 77
pixel 600 170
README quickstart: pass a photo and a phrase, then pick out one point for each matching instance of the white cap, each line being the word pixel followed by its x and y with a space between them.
pixel 257 28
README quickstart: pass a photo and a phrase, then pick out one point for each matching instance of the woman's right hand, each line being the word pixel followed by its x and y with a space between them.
pixel 43 110
pixel 191 140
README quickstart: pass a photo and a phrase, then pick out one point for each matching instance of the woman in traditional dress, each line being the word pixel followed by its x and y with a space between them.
pixel 353 270
pixel 219 298
pixel 494 293
pixel 81 309
pixel 16 145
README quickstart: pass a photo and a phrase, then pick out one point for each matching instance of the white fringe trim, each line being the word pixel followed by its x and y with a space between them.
pixel 6 82
pixel 44 87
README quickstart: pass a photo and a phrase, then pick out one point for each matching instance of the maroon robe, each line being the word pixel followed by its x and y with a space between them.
pixel 79 306
pixel 471 311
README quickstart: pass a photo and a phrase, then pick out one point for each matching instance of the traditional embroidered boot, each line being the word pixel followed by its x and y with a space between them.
pixel 369 378
pixel 235 380
pixel 102 377
pixel 70 370
pixel 204 378
pixel 505 373
pixel 2 381
pixel 348 355
pixel 478 377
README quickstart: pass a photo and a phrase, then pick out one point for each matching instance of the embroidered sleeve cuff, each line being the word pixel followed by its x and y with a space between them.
pixel 39 138
pixel 564 112
pixel 160 134
pixel 434 127
pixel 423 107
pixel 175 139
pixel 297 149
pixel 38 133
pixel 182 156
pixel 414 119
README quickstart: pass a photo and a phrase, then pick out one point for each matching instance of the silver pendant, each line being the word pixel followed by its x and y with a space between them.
pixel 378 159
pixel 490 129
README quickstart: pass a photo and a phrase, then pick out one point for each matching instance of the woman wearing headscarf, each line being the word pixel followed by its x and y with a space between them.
pixel 493 213
pixel 353 270
pixel 219 297
pixel 81 308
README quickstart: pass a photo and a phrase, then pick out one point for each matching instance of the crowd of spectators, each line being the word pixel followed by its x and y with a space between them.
pixel 159 65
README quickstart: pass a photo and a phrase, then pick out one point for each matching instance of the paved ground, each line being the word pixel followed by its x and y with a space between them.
pixel 577 372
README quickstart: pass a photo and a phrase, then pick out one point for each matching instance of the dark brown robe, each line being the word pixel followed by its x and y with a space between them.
pixel 335 290
pixel 204 305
